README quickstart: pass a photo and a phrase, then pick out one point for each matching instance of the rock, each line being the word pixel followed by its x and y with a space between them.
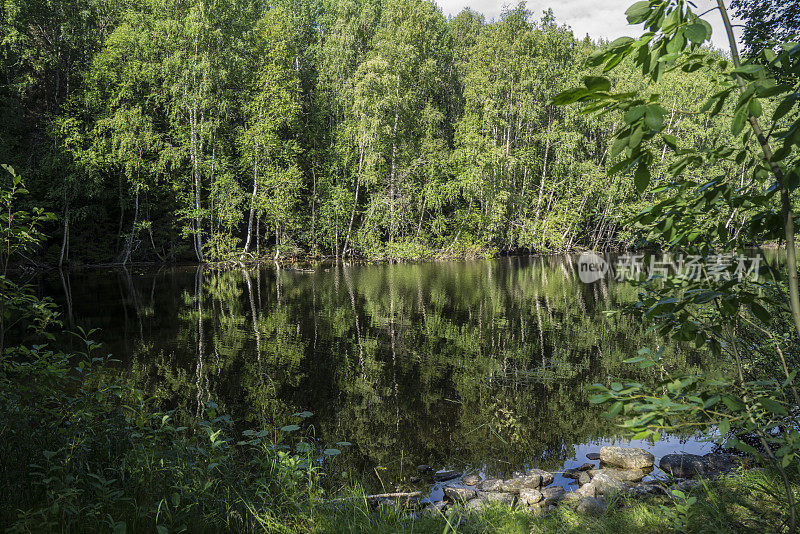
pixel 627 457
pixel 715 462
pixel 434 509
pixel 552 495
pixel 623 475
pixel 535 510
pixel 591 506
pixel 459 494
pixel 528 496
pixel 494 496
pixel 471 480
pixel 571 473
pixel 604 484
pixel 425 468
pixel 476 505
pixel 586 467
pixel 685 485
pixel 547 478
pixel 593 456
pixel 491 484
pixel 441 476
pixel 682 465
pixel 584 478
pixel 643 490
pixel 513 485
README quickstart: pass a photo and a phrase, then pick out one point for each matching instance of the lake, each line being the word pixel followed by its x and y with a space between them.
pixel 481 366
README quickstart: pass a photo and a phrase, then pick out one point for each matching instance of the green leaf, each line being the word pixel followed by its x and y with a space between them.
pixel 696 33
pixel 641 178
pixel 331 452
pixel 638 12
pixel 772 406
pixel 597 83
pixel 290 428
pixel 759 311
pixel 737 125
pixel 724 427
pixel 654 118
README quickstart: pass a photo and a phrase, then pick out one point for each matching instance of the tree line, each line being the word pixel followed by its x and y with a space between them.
pixel 162 130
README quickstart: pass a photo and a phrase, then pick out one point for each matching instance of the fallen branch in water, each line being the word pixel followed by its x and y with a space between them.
pixel 377 496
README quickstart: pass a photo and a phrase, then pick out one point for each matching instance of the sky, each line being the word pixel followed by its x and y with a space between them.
pixel 598 18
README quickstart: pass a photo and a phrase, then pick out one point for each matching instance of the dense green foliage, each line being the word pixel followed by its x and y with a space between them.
pixel 160 130
pixel 752 323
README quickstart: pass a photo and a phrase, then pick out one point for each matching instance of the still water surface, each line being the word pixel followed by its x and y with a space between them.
pixel 481 366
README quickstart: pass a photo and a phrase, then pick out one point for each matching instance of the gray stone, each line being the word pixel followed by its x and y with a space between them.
pixel 571 473
pixel 552 495
pixel 627 457
pixel 441 476
pixel 528 496
pixel 623 475
pixel 682 465
pixel 425 468
pixel 685 485
pixel 587 490
pixel 605 484
pixel 514 485
pixel 547 478
pixel 491 484
pixel 591 506
pixel 435 509
pixel 476 505
pixel 719 462
pixel 593 456
pixel 643 490
pixel 586 467
pixel 471 480
pixel 494 496
pixel 459 494
pixel 584 478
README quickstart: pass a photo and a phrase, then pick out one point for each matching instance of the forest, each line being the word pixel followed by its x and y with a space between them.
pixel 213 130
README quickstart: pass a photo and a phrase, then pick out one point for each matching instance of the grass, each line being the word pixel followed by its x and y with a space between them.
pixel 742 503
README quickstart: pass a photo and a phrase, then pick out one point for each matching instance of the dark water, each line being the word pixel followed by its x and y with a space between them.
pixel 480 366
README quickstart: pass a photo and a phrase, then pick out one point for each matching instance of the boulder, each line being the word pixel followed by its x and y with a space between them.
pixel 626 457
pixel 720 463
pixel 471 480
pixel 434 509
pixel 459 494
pixel 571 473
pixel 593 456
pixel 643 490
pixel 586 467
pixel 547 478
pixel 584 478
pixel 514 485
pixel 425 468
pixel 476 505
pixel 683 465
pixel 685 485
pixel 494 496
pixel 528 496
pixel 605 484
pixel 623 475
pixel 491 484
pixel 552 495
pixel 441 476
pixel 591 506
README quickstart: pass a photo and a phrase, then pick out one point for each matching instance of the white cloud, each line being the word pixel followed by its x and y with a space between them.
pixel 598 18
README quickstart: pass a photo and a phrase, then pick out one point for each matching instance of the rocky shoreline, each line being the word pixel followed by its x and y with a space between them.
pixel 620 471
